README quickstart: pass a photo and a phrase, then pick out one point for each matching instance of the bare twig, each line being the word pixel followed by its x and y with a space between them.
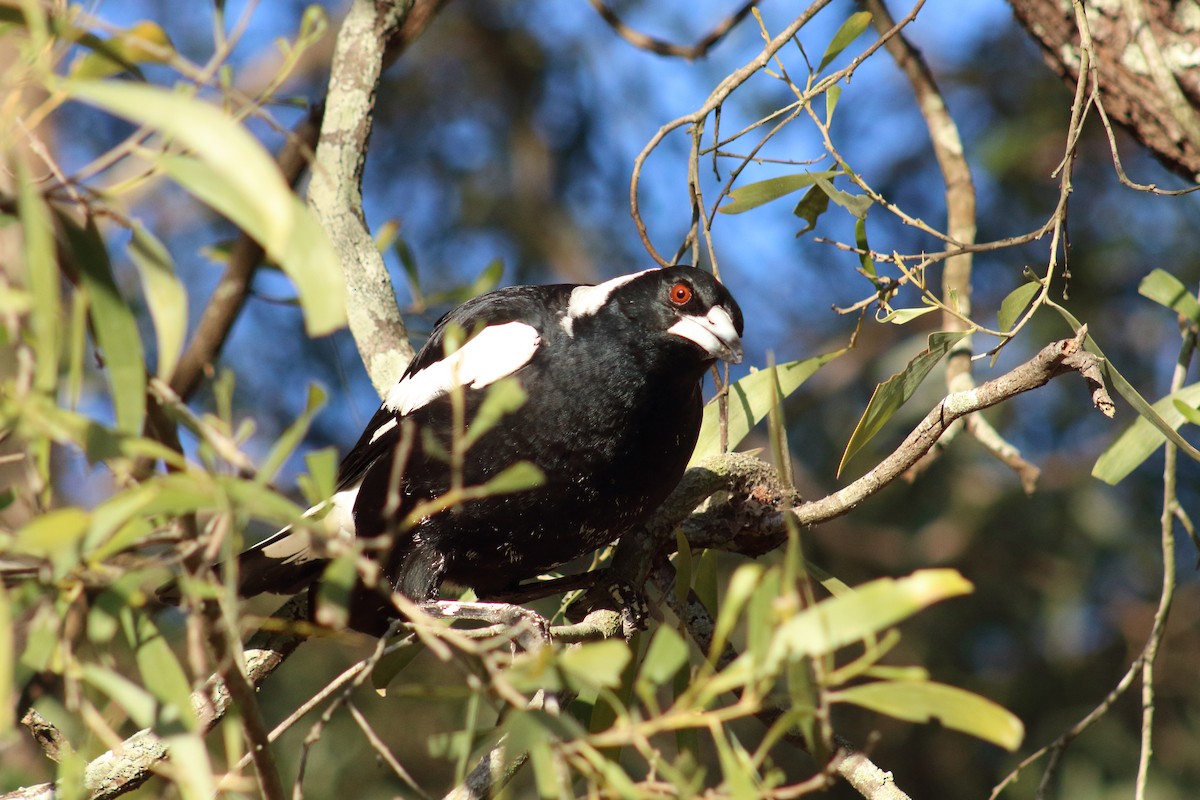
pixel 665 48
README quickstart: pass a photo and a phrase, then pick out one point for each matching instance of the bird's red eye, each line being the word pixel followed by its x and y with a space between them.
pixel 680 294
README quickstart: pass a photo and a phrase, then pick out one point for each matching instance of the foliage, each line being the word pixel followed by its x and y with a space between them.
pixel 745 665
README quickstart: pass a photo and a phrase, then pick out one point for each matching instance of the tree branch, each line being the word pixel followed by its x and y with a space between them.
pixel 335 192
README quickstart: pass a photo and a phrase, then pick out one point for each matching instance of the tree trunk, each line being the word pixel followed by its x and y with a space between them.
pixel 1147 58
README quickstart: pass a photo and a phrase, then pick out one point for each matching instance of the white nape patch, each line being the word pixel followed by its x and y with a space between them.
pixel 382 429
pixel 587 300
pixel 496 352
pixel 715 333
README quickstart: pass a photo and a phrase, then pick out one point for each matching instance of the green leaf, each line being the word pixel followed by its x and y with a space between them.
pixel 810 208
pixel 832 95
pixel 750 401
pixel 42 278
pixel 56 536
pixel 7 673
pixel 1165 289
pixel 1016 303
pixel 337 584
pixel 893 393
pixel 114 324
pixel 516 478
pixel 869 610
pixel 860 241
pixel 290 439
pixel 1126 390
pixel 230 171
pixel 851 29
pixel 595 664
pixel 856 204
pixel 165 296
pixel 1190 413
pixel 194 771
pixel 135 701
pixel 753 195
pixel 666 655
pixel 143 43
pixel 163 677
pixel 503 397
pixel 926 701
pixel 741 587
pixel 900 316
pixel 1142 439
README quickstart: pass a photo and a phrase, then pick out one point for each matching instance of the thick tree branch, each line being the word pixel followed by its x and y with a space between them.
pixel 335 192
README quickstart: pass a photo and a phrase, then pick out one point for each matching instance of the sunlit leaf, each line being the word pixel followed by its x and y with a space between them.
pixel 7 718
pixel 516 478
pixel 1165 289
pixel 850 30
pixel 1190 413
pixel 162 675
pixel 165 297
pixel 56 536
pixel 893 393
pixel 750 401
pixel 753 195
pixel 832 95
pixel 230 170
pixel 1131 395
pixel 737 594
pixel 595 664
pixel 194 771
pixel 1016 303
pixel 42 278
pixel 135 701
pixel 900 316
pixel 665 656
pixel 925 701
pixel 869 610
pixel 291 438
pixel 114 324
pixel 334 591
pixel 143 43
pixel 502 397
pixel 1142 439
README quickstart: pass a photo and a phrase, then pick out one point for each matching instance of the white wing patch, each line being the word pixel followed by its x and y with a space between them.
pixel 587 300
pixel 295 546
pixel 496 352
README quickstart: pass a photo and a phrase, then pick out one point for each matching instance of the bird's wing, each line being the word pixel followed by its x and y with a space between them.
pixel 504 330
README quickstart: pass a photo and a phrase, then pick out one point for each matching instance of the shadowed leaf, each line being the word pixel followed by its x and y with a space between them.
pixel 893 393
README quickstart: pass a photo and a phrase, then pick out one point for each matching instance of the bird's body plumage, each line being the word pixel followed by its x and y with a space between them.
pixel 611 376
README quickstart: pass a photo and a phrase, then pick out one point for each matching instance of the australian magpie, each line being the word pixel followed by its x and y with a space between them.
pixel 611 376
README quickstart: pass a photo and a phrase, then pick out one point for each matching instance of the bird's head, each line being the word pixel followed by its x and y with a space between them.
pixel 682 304
pixel 703 311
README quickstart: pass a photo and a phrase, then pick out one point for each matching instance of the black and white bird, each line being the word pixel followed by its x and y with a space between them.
pixel 612 375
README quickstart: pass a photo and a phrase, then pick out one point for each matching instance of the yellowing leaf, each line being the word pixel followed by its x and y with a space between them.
pixel 165 297
pixel 867 611
pixel 927 701
pixel 229 170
